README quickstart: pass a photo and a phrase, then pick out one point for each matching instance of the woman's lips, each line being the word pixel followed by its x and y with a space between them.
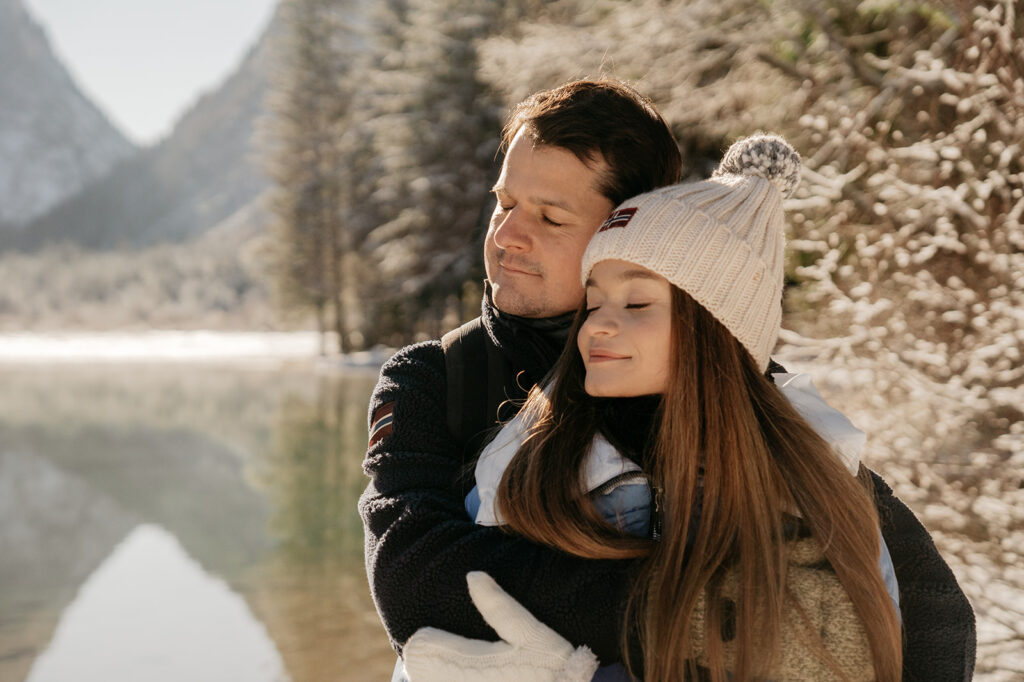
pixel 600 355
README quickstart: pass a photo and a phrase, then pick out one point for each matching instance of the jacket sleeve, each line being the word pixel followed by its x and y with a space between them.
pixel 420 543
pixel 939 631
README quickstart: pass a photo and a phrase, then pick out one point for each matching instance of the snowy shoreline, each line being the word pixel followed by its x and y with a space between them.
pixel 175 346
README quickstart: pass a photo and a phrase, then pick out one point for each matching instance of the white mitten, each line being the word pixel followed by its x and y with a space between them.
pixel 530 651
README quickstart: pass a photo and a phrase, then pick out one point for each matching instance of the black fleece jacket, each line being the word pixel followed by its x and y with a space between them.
pixel 420 542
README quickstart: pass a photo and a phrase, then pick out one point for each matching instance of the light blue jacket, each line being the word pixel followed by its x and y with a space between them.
pixel 622 494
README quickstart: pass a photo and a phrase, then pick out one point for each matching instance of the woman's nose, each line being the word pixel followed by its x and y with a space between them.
pixel 601 323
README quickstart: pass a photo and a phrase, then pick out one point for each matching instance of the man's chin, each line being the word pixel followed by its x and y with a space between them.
pixel 512 300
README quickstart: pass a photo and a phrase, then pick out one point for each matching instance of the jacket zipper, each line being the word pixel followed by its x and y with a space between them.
pixel 613 483
pixel 656 493
pixel 636 477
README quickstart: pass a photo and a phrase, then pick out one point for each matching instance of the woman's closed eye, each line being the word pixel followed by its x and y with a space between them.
pixel 636 306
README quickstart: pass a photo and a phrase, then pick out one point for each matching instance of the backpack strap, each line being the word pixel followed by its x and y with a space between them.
pixel 477 375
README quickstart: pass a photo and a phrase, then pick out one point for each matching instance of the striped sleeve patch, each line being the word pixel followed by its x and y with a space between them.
pixel 380 425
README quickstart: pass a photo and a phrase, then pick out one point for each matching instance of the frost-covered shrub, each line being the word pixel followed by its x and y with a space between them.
pixel 908 230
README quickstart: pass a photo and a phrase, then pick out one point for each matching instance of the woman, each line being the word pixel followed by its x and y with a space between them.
pixel 762 551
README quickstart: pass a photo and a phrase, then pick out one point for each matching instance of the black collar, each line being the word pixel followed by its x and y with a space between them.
pixel 531 344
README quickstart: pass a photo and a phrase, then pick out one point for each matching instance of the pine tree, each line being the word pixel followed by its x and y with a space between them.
pixel 431 127
pixel 308 109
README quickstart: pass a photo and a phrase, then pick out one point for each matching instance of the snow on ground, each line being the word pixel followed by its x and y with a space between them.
pixel 170 346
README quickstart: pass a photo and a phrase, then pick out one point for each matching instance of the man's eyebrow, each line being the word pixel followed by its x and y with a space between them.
pixel 540 201
pixel 633 273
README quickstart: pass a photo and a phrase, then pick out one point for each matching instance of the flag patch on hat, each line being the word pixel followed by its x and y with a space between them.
pixel 383 420
pixel 618 219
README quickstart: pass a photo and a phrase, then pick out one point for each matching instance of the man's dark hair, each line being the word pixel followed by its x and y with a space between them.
pixel 603 119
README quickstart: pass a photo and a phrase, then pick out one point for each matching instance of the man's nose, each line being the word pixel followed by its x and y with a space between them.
pixel 512 233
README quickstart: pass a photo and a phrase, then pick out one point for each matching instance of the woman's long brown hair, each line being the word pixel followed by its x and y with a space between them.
pixel 760 459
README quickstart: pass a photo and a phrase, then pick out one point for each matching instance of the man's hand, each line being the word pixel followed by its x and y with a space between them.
pixel 530 651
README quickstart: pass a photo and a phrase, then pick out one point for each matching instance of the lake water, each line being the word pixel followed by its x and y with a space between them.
pixel 184 523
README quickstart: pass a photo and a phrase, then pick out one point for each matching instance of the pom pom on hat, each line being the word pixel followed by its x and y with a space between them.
pixel 766 156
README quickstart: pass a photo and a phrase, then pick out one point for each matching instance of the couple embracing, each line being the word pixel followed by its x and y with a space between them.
pixel 633 487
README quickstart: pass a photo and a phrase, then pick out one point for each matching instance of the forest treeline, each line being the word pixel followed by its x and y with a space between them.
pixel 910 117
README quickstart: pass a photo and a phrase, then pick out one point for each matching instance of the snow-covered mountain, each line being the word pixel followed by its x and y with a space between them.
pixel 53 140
pixel 201 174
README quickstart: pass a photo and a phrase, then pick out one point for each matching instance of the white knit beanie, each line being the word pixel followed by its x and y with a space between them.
pixel 719 240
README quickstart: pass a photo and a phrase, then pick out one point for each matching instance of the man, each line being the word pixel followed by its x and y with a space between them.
pixel 572 155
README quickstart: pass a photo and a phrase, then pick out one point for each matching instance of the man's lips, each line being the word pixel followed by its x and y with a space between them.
pixel 601 355
pixel 515 268
pixel 512 270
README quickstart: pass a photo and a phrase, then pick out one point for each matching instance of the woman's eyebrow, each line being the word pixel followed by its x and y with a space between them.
pixel 635 273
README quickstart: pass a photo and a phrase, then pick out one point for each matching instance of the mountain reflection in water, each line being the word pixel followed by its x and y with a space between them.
pixel 150 611
pixel 169 524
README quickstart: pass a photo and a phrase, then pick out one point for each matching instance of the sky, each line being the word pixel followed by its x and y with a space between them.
pixel 144 62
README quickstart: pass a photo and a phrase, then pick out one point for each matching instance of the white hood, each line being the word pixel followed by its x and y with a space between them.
pixel 604 462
